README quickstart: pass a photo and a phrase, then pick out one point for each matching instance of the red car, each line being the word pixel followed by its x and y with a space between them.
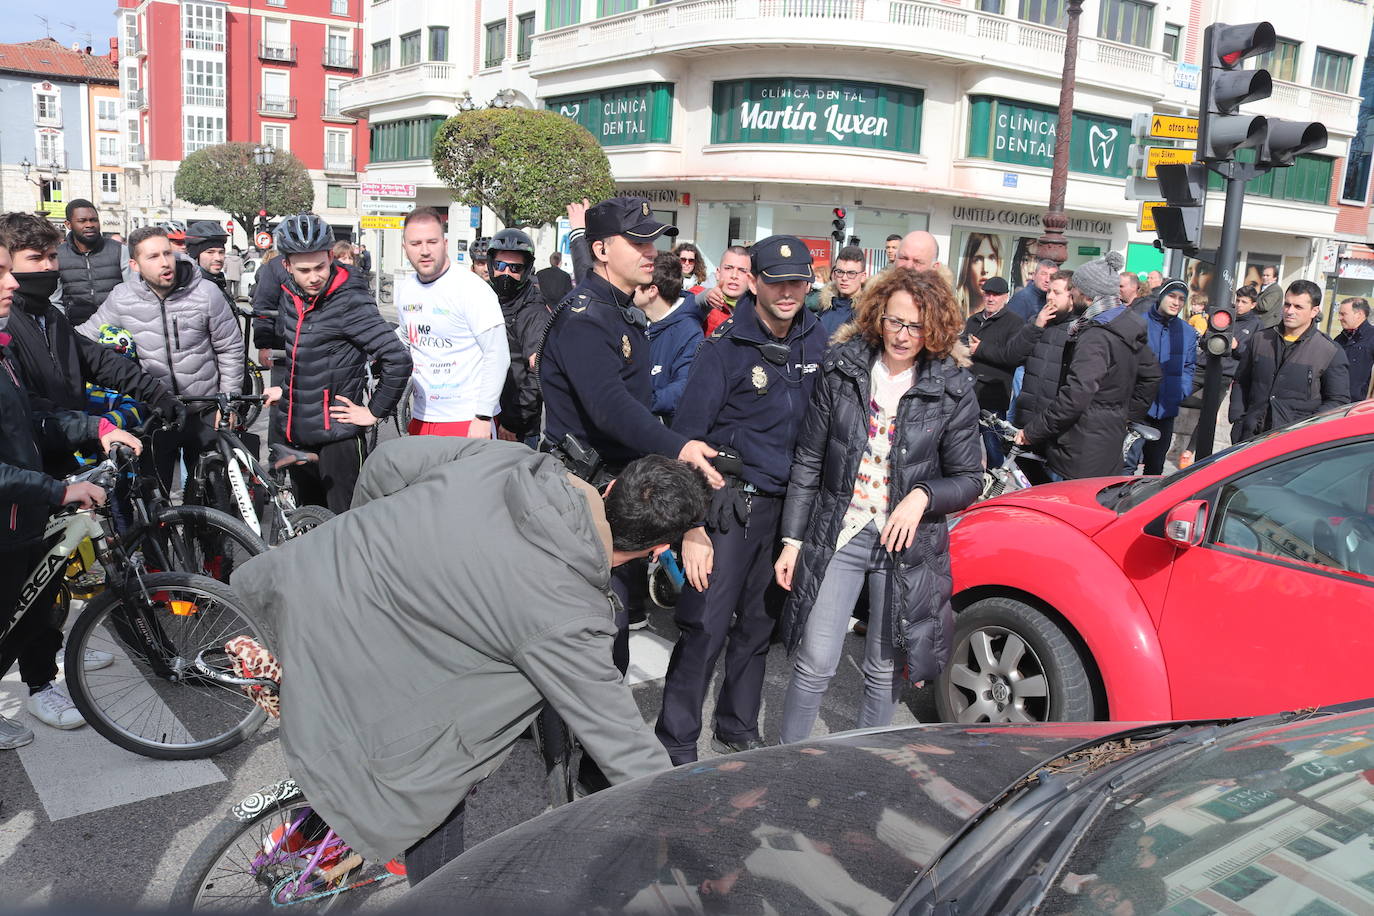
pixel 1242 585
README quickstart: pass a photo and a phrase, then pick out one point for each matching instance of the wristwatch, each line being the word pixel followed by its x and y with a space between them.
pixel 481 417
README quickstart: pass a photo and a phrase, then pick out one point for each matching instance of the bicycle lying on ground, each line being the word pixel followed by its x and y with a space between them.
pixel 152 700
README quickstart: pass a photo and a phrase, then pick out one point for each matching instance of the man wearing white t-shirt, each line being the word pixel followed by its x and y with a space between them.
pixel 457 335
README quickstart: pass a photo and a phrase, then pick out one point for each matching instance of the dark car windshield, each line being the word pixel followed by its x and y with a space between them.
pixel 1280 821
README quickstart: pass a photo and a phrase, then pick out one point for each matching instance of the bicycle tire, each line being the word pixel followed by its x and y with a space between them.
pixel 252 384
pixel 308 518
pixel 229 852
pixel 197 540
pixel 194 607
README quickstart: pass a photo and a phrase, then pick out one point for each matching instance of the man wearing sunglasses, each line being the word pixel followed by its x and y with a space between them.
pixel 510 266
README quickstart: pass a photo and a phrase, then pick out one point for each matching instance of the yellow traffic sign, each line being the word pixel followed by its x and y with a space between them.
pixel 1146 222
pixel 369 221
pixel 1156 156
pixel 1173 127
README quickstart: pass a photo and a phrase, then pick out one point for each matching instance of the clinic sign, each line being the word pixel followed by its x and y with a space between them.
pixel 1005 130
pixel 816 112
pixel 622 116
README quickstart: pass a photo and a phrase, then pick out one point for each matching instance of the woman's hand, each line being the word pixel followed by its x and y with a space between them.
pixel 900 530
pixel 698 558
pixel 786 565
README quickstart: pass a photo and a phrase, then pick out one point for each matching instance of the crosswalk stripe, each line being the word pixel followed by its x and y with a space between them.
pixel 649 654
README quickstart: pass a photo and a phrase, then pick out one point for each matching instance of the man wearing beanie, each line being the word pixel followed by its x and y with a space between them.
pixel 1174 342
pixel 205 244
pixel 1110 380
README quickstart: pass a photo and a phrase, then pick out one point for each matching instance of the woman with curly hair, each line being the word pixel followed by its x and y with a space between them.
pixel 889 447
pixel 693 267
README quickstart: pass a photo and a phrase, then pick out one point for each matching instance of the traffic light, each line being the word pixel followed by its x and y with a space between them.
pixel 853 240
pixel 1221 129
pixel 1286 140
pixel 838 233
pixel 1221 320
pixel 1184 187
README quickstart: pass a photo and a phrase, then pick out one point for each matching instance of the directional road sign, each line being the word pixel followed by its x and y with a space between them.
pixel 1146 222
pixel 380 222
pixel 1165 155
pixel 1172 127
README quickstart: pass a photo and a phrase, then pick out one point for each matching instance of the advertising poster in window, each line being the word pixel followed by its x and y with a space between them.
pixel 978 254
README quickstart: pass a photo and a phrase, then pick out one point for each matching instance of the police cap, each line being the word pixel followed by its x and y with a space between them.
pixel 631 217
pixel 780 257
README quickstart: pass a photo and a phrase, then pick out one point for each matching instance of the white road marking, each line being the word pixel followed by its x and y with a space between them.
pixel 649 654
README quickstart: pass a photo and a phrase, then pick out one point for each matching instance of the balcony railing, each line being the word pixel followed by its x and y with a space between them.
pixel 107 157
pixel 338 163
pixel 340 58
pixel 272 51
pixel 202 40
pixel 332 108
pixel 203 97
pixel 282 106
pixel 138 153
pixel 109 197
pixel 140 99
pixel 107 122
pixel 429 79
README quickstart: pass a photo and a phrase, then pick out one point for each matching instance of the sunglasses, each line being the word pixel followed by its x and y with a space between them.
pixel 510 267
pixel 686 259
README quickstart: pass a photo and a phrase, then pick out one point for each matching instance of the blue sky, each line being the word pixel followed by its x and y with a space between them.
pixel 94 16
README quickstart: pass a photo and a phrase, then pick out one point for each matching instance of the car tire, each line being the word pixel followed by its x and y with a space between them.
pixel 1012 663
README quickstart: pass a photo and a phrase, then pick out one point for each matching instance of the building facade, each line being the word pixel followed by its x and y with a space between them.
pixel 55 105
pixel 193 73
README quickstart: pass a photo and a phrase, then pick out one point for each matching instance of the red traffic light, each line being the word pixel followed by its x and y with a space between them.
pixel 839 212
pixel 1220 320
pixel 262 213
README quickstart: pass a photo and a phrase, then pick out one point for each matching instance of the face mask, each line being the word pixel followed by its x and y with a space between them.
pixel 36 287
pixel 506 286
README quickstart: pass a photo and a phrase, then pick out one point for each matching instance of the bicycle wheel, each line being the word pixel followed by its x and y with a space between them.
pixel 152 700
pixel 252 384
pixel 307 518
pixel 197 539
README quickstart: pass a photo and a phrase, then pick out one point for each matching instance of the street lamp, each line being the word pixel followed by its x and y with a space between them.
pixel 465 102
pixel 1052 244
pixel 504 98
pixel 263 156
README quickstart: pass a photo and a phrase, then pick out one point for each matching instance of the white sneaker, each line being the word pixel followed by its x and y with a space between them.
pixel 92 659
pixel 52 706
pixel 14 734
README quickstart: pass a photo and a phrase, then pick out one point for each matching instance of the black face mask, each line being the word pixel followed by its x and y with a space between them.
pixel 36 287
pixel 506 286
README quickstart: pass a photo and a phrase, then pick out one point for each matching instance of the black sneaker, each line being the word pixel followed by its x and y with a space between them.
pixel 638 619
pixel 721 746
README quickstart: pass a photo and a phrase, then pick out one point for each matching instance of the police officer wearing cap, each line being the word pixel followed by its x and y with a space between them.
pixel 594 365
pixel 747 394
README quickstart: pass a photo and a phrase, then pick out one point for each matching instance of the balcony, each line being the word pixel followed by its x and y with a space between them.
pixel 338 164
pixel 278 52
pixel 926 29
pixel 135 47
pixel 418 81
pixel 109 197
pixel 138 99
pixel 277 106
pixel 107 157
pixel 138 153
pixel 204 40
pixel 203 97
pixel 332 110
pixel 106 122
pixel 340 59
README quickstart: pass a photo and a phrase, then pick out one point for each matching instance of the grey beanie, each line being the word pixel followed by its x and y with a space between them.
pixel 1100 278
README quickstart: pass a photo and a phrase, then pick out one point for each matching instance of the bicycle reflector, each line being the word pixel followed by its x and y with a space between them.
pixel 183 608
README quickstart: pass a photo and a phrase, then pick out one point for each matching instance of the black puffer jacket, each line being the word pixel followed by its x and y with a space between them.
pixel 88 277
pixel 28 495
pixel 526 317
pixel 996 357
pixel 220 282
pixel 938 447
pixel 1278 385
pixel 1044 367
pixel 328 340
pixel 267 299
pixel 1112 378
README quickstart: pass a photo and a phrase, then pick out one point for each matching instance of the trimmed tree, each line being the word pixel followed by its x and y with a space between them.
pixel 225 177
pixel 525 165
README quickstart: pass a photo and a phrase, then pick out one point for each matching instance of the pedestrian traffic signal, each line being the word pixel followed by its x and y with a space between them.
pixel 262 214
pixel 1221 320
pixel 1286 140
pixel 1184 187
pixel 838 232
pixel 1221 128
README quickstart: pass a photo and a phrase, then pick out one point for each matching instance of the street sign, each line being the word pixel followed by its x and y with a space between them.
pixel 381 222
pixel 383 205
pixel 386 189
pixel 474 217
pixel 1172 127
pixel 263 239
pixel 1165 155
pixel 1146 221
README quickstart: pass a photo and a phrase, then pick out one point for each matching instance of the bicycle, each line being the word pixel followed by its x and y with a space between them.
pixel 1010 475
pixel 666 579
pixel 400 417
pixel 151 700
pixel 253 384
pixel 230 478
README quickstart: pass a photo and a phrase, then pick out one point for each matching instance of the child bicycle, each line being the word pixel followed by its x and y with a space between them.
pixel 152 700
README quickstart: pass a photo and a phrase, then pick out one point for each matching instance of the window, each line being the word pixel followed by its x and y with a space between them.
pixel 338 154
pixel 559 13
pixel 335 196
pixel 276 92
pixel 130 38
pixel 109 184
pixel 409 138
pixel 990 6
pixel 524 36
pixel 203 82
pixel 336 50
pixel 47 107
pixel 495 44
pixel 1045 12
pixel 1355 188
pixel 202 26
pixel 1130 22
pixel 107 151
pixel 276 40
pixel 201 131
pixel 381 56
pixel 276 2
pixel 410 48
pixel 331 98
pixel 1332 71
pixel 1173 40
pixel 1243 883
pixel 338 7
pixel 1304 511
pixel 49 148
pixel 1307 180
pixel 107 113
pixel 276 136
pixel 1282 62
pixel 132 134
pixel 438 42
pixel 611 7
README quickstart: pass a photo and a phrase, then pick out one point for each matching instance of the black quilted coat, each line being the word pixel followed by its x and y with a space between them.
pixel 937 447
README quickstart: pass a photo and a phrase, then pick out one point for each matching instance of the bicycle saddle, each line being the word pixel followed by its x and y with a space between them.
pixel 1148 433
pixel 284 456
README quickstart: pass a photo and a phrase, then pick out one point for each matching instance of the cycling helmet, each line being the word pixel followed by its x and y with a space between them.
pixel 303 234
pixel 175 229
pixel 119 340
pixel 479 248
pixel 512 240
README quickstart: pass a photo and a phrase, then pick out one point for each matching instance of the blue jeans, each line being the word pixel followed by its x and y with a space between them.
pixel 1017 379
pixel 862 560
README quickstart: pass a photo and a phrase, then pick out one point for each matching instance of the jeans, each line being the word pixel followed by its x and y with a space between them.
pixel 862 560
pixel 442 846
pixel 1017 378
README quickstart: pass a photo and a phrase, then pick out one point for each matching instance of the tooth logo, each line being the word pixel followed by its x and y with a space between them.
pixel 1102 146
pixel 570 111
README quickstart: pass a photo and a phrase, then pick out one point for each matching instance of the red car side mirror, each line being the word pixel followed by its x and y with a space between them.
pixel 1186 523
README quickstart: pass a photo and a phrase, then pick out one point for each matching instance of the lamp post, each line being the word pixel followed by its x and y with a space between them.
pixel 263 156
pixel 1052 244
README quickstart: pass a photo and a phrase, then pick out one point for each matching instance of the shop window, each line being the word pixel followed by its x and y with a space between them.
pixel 406 139
pixel 1130 22
pixel 1018 133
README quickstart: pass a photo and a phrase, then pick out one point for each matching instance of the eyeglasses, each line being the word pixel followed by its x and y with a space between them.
pixel 846 274
pixel 897 325
pixel 511 267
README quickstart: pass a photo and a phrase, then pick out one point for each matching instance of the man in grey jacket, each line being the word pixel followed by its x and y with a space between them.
pixel 410 672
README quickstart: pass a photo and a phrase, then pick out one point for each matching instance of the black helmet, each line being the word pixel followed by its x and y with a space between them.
pixel 303 233
pixel 479 248
pixel 512 240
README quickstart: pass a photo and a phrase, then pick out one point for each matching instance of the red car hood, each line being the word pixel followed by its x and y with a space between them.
pixel 1073 502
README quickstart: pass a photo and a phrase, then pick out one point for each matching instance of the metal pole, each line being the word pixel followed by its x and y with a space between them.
pixel 1223 288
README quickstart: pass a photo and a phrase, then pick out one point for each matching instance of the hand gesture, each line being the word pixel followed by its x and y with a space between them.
pixel 118 436
pixel 83 495
pixel 900 530
pixel 1046 315
pixel 786 565
pixel 698 453
pixel 577 214
pixel 973 343
pixel 715 298
pixel 698 557
pixel 345 411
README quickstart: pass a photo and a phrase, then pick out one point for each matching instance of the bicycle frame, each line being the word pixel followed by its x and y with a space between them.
pixel 69 531
pixel 241 467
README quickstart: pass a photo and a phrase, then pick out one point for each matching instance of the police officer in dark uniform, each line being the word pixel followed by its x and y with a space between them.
pixel 748 392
